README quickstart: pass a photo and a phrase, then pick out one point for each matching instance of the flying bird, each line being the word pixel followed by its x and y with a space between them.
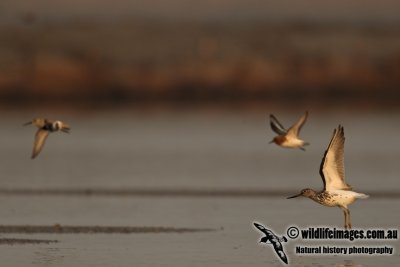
pixel 336 192
pixel 288 138
pixel 274 240
pixel 45 126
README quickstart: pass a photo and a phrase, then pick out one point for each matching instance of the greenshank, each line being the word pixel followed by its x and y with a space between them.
pixel 336 193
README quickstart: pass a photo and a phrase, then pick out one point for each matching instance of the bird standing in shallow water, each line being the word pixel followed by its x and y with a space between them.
pixel 288 138
pixel 45 127
pixel 336 193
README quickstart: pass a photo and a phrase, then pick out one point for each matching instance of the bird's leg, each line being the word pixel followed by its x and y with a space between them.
pixel 345 218
pixel 348 220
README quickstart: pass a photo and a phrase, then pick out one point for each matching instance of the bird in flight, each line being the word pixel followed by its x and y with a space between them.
pixel 45 126
pixel 274 240
pixel 288 138
pixel 336 192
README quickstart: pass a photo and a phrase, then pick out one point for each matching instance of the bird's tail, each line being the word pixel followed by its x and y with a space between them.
pixel 361 196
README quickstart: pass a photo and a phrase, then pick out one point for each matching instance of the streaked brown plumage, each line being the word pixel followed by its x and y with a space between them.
pixel 45 126
pixel 336 192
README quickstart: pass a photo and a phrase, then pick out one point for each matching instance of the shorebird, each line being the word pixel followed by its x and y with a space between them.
pixel 45 127
pixel 288 138
pixel 336 192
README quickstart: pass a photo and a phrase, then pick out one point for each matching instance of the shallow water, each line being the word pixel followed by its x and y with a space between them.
pixel 189 150
pixel 234 243
pixel 197 149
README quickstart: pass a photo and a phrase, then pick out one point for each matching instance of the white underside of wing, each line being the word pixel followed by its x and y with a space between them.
pixel 333 180
pixel 334 171
pixel 333 167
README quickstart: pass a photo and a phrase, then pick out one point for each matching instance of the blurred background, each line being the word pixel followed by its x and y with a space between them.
pixel 168 102
pixel 199 51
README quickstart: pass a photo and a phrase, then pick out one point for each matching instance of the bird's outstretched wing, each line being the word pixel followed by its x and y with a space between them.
pixel 332 164
pixel 276 126
pixel 40 139
pixel 296 128
pixel 280 252
pixel 266 231
pixel 260 227
pixel 269 235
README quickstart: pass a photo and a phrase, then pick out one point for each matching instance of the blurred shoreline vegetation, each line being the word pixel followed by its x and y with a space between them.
pixel 192 60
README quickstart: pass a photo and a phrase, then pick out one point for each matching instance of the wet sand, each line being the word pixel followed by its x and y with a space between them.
pixel 166 153
pixel 234 243
pixel 23 241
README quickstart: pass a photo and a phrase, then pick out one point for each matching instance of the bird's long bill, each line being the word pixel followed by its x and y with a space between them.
pixel 66 129
pixel 270 142
pixel 27 123
pixel 294 196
